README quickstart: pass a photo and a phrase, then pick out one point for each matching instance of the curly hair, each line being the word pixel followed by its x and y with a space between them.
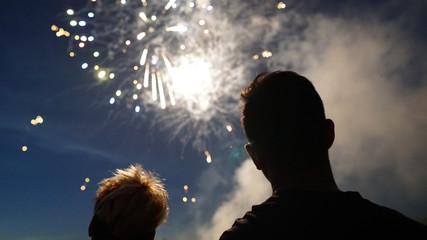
pixel 131 203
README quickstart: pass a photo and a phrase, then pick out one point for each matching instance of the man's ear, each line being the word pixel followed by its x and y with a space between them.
pixel 254 154
pixel 330 132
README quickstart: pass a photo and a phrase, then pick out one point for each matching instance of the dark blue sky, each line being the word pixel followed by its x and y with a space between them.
pixel 83 136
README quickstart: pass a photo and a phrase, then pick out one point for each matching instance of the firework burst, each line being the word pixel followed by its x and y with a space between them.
pixel 175 59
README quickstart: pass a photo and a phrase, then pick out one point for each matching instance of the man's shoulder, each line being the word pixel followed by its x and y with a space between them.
pixel 308 212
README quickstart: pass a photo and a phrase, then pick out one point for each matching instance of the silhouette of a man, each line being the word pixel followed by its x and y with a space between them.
pixel 289 136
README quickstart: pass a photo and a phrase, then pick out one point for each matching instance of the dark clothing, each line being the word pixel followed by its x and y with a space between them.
pixel 323 215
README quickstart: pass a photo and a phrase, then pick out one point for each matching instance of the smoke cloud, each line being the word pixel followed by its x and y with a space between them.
pixel 371 73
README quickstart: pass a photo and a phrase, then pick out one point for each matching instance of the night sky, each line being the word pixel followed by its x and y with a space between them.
pixel 367 59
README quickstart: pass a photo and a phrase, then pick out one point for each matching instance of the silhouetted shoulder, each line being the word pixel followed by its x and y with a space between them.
pixel 322 215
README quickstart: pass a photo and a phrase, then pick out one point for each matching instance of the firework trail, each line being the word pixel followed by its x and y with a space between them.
pixel 182 61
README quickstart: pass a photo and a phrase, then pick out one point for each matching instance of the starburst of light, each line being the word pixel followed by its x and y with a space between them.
pixel 160 55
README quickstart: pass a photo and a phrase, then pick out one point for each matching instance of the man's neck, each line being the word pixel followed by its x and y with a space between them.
pixel 315 179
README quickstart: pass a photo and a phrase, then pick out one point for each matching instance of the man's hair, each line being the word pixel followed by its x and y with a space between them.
pixel 283 114
pixel 132 203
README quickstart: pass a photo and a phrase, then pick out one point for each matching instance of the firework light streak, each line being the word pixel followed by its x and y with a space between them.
pixel 176 59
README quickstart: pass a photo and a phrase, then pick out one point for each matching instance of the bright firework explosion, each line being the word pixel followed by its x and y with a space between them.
pixel 175 59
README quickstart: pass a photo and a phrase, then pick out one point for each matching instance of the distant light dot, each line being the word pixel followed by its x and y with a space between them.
pixel 90 38
pixel 71 54
pixel 137 109
pixel 139 86
pixel 135 68
pixel 101 74
pixel 112 100
pixel 202 22
pixel 140 35
pixel 81 44
pixel 255 57
pixel 54 28
pixel 82 23
pixel 124 50
pixel 123 1
pixel 229 128
pixel 70 11
pixel 182 47
pixel 24 148
pixel 118 93
pixel 193 199
pixel 185 188
pixel 85 65
pixel 90 14
pixel 111 76
pixel 73 23
pixel 281 5
pixel 82 187
pixel 153 17
pixel 127 42
pixel 87 179
pixel 135 82
pixel 266 54
pixel 209 8
pixel 184 199
pixel 96 67
pixel 135 97
pixel 76 37
pixel 191 4
pixel 208 157
pixel 83 38
pixel 206 31
pixel 96 54
pixel 37 120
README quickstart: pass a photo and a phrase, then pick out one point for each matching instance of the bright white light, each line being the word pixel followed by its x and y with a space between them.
pixel 169 4
pixel 82 23
pixel 91 14
pixel 141 35
pixel 118 93
pixel 96 54
pixel 137 108
pixel 70 12
pixel 112 100
pixel 111 76
pixel 143 16
pixel 176 29
pixel 84 65
pixel 73 23
pixel 123 2
pixel 83 38
pixel 101 74
pixel 90 38
pixel 191 82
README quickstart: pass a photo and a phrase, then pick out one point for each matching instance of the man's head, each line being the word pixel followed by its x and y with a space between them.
pixel 283 117
pixel 129 205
